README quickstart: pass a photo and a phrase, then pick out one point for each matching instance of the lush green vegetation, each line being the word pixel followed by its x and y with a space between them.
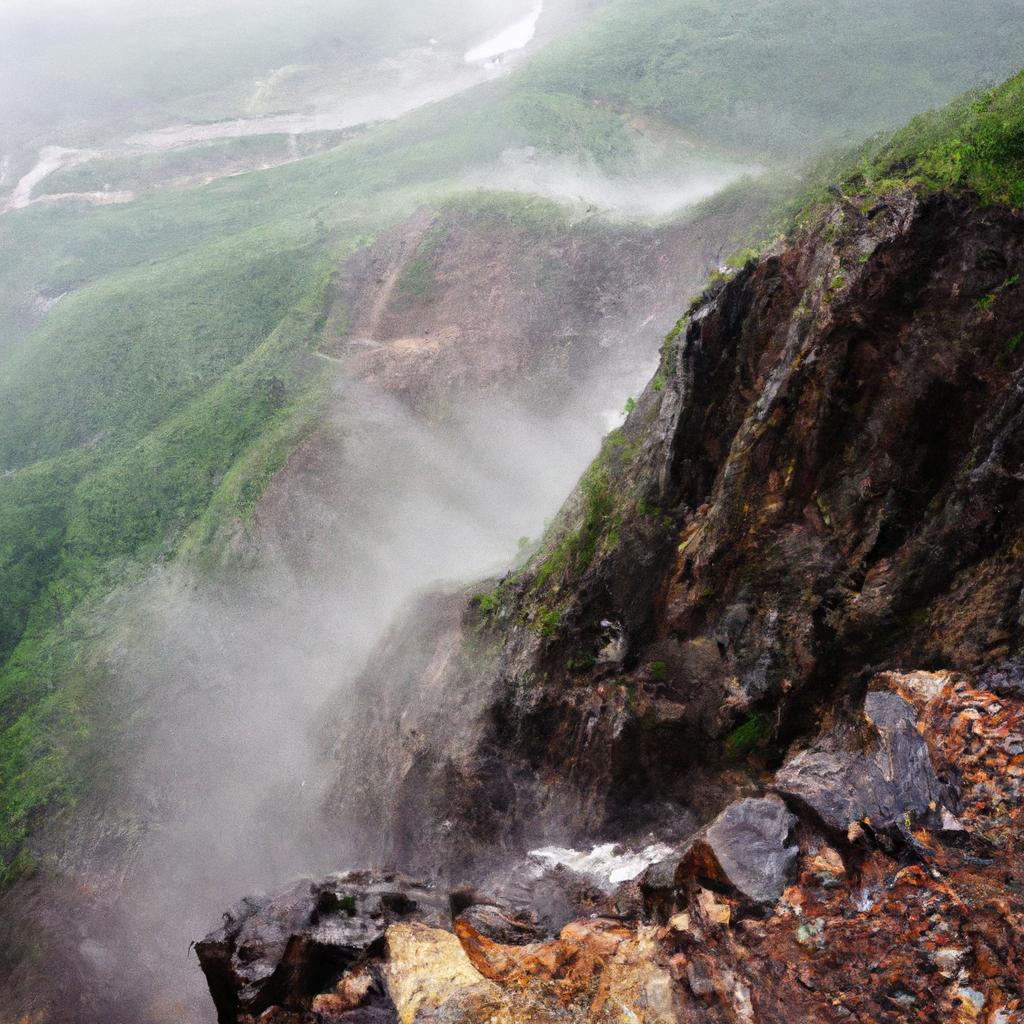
pixel 782 77
pixel 752 734
pixel 976 143
pixel 579 532
pixel 973 145
pixel 116 359
pixel 576 547
pixel 80 522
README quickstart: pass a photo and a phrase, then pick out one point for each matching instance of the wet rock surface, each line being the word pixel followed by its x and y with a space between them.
pixel 314 943
pixel 875 774
pixel 805 494
pixel 746 848
pixel 547 895
pixel 906 925
pixel 1006 680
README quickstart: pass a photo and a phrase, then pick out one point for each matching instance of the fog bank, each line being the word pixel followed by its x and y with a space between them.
pixel 231 678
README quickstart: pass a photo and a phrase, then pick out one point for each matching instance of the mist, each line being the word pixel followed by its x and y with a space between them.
pixel 229 680
pixel 91 68
pixel 649 193
pixel 210 71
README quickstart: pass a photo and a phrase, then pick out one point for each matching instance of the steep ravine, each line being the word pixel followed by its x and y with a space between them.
pixel 787 594
pixel 429 460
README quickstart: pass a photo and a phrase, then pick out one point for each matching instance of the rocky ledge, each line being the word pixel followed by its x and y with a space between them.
pixel 879 876
pixel 704 666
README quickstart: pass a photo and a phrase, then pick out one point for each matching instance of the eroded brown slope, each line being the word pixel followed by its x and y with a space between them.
pixel 497 293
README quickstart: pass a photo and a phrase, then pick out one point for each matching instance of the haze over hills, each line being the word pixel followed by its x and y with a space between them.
pixel 324 311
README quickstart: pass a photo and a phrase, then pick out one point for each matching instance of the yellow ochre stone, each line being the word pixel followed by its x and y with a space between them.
pixel 427 967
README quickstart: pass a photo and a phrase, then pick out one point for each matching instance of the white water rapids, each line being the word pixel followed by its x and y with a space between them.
pixel 606 865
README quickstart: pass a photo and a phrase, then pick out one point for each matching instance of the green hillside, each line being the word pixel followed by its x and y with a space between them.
pixel 975 144
pixel 783 78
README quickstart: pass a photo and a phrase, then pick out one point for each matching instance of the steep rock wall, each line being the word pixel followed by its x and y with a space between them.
pixel 823 480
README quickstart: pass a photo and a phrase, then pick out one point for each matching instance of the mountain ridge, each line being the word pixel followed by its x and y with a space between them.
pixel 91 530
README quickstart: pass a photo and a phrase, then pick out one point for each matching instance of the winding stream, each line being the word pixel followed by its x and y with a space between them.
pixel 443 76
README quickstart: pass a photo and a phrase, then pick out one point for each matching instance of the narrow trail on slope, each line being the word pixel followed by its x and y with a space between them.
pixel 51 158
pixel 371 107
pixel 418 226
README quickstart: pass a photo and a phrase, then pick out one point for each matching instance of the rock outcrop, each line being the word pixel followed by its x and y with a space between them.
pixel 882 781
pixel 747 849
pixel 823 480
pixel 313 949
pixel 775 631
pixel 471 300
pixel 920 921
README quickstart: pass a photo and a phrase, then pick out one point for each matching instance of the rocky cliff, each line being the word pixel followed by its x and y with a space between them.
pixel 822 480
pixel 770 640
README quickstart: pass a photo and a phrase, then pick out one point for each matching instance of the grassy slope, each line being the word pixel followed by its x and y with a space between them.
pixel 784 78
pixel 975 143
pixel 188 311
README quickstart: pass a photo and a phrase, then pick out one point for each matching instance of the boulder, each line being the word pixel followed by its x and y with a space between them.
pixel 1006 680
pixel 877 774
pixel 746 848
pixel 288 950
pixel 431 979
pixel 538 893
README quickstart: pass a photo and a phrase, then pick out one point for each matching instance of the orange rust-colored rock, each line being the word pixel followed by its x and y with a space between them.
pixel 573 959
pixel 932 931
pixel 349 992
pixel 597 969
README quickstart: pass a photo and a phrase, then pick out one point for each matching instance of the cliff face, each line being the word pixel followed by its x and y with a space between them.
pixel 771 640
pixel 823 480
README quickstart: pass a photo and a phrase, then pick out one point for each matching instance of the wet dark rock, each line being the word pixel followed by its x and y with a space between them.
pixel 876 774
pixel 495 924
pixel 916 925
pixel 822 482
pixel 1006 680
pixel 747 851
pixel 366 1003
pixel 544 896
pixel 285 951
pixel 746 848
pixel 659 880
